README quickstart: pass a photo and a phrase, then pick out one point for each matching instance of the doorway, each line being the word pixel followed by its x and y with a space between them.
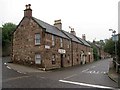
pixel 61 56
pixel 89 58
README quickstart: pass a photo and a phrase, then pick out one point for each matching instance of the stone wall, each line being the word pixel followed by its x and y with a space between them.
pixel 24 48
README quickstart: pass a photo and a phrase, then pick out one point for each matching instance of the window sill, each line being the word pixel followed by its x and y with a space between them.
pixel 37 44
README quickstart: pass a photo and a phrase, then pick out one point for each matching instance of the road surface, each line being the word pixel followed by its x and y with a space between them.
pixel 93 75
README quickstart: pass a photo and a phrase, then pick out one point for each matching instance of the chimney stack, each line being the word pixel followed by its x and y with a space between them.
pixel 58 24
pixel 72 31
pixel 28 11
pixel 83 37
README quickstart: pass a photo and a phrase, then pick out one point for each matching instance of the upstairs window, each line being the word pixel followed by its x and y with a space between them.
pixel 61 42
pixel 37 39
pixel 69 44
pixel 53 40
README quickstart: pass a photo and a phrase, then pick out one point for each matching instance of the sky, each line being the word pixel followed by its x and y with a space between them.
pixel 93 18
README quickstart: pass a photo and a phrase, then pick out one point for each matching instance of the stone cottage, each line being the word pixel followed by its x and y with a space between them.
pixel 46 46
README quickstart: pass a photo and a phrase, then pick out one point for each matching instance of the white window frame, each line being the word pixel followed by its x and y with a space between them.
pixel 53 40
pixel 37 39
pixel 53 59
pixel 61 42
pixel 68 57
pixel 37 59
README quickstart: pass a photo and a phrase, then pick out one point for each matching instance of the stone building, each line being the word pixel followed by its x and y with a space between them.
pixel 46 46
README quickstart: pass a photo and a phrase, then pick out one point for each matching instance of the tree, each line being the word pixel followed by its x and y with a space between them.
pixel 95 53
pixel 110 47
pixel 7 30
pixel 118 49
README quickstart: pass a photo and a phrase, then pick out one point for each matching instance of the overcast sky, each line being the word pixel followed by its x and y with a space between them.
pixel 91 17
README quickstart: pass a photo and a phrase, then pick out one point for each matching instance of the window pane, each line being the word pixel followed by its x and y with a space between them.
pixel 53 59
pixel 37 41
pixel 37 38
pixel 37 59
pixel 61 42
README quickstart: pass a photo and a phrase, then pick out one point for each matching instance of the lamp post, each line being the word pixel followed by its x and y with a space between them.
pixel 113 31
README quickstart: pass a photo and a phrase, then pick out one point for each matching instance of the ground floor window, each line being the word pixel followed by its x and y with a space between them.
pixel 37 59
pixel 53 59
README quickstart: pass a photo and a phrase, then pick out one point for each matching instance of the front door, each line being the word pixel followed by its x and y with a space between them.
pixel 61 60
pixel 89 58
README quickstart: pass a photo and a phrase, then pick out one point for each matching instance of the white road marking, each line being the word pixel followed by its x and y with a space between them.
pixel 97 72
pixel 104 72
pixel 8 67
pixel 90 71
pixel 84 84
pixel 19 72
pixel 94 72
pixel 70 76
pixel 85 70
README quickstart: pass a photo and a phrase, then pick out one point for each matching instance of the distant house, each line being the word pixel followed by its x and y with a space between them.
pixel 46 46
pixel 98 51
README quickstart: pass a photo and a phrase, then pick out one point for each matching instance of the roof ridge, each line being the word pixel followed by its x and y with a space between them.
pixel 43 22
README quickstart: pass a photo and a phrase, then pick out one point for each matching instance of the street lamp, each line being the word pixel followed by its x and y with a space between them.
pixel 113 31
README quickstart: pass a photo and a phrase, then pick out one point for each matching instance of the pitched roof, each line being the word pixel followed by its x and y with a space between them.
pixel 72 37
pixel 84 42
pixel 50 29
pixel 53 30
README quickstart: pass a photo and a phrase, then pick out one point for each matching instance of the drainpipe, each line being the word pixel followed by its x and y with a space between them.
pixel 72 51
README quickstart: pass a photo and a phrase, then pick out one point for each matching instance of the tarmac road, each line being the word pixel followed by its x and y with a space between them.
pixel 93 75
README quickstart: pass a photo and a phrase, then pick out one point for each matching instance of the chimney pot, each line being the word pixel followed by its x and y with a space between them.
pixel 72 31
pixel 28 11
pixel 83 37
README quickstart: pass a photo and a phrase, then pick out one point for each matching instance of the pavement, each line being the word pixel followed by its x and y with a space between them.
pixel 88 76
pixel 113 75
pixel 25 69
pixel 22 69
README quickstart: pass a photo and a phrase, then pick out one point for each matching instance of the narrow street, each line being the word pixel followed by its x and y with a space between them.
pixel 93 75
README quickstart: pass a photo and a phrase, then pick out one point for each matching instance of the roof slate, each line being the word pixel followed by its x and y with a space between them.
pixel 72 37
pixel 53 30
pixel 50 29
pixel 84 42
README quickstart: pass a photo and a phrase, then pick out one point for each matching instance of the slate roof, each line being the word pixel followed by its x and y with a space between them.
pixel 84 42
pixel 50 29
pixel 72 37
pixel 53 30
